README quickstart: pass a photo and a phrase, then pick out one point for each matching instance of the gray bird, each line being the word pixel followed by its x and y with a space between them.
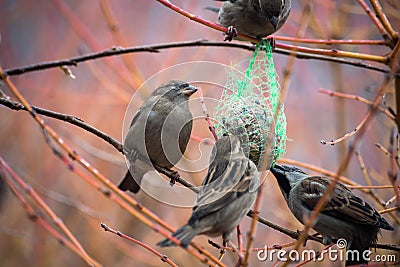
pixel 159 132
pixel 344 215
pixel 226 195
pixel 255 18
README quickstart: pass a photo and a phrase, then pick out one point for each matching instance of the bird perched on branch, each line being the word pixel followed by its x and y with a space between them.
pixel 344 216
pixel 159 132
pixel 226 195
pixel 255 18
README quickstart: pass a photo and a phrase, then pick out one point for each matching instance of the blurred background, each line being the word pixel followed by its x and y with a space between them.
pixel 38 31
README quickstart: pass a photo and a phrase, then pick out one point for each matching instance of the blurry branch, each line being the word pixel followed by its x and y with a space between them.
pixel 395 68
pixel 119 39
pixel 63 117
pixel 394 162
pixel 285 231
pixel 330 41
pixel 388 112
pixel 303 24
pixel 73 61
pixel 211 127
pixel 358 64
pixel 389 210
pixel 383 19
pixel 90 40
pixel 163 258
pixel 70 241
pixel 364 171
pixel 375 20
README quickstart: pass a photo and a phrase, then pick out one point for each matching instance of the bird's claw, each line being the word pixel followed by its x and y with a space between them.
pixel 230 33
pixel 299 234
pixel 270 41
pixel 174 176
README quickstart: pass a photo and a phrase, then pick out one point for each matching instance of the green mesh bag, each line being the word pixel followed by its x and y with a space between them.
pixel 250 109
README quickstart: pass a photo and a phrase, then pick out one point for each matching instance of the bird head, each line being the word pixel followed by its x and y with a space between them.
pixel 227 144
pixel 175 89
pixel 287 177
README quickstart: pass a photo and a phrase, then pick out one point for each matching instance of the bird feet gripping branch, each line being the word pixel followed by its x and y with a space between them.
pixel 173 175
pixel 230 33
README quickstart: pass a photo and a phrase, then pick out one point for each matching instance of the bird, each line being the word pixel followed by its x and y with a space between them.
pixel 255 18
pixel 345 215
pixel 226 195
pixel 159 132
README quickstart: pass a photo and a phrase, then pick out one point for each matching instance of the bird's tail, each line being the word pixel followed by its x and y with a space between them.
pixel 212 8
pixel 129 183
pixel 185 234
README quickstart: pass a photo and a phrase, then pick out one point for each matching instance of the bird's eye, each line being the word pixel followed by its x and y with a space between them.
pixel 183 85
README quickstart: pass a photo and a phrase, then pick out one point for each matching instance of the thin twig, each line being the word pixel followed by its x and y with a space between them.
pixel 207 115
pixel 349 134
pixel 375 20
pixel 393 171
pixel 163 258
pixel 356 98
pixel 383 19
pixel 329 41
pixel 283 230
pixel 389 210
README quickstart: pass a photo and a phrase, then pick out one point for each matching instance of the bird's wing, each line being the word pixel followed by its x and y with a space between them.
pixel 342 204
pixel 146 107
pixel 145 118
pixel 137 115
pixel 226 181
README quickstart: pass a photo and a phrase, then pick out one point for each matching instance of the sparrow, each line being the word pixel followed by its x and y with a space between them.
pixel 226 195
pixel 255 18
pixel 159 132
pixel 344 216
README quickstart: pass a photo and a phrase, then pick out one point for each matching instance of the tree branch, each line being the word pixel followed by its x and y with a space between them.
pixel 63 117
pixel 73 61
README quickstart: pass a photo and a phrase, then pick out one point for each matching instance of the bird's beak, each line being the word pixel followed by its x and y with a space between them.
pixel 277 170
pixel 190 90
pixel 274 21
